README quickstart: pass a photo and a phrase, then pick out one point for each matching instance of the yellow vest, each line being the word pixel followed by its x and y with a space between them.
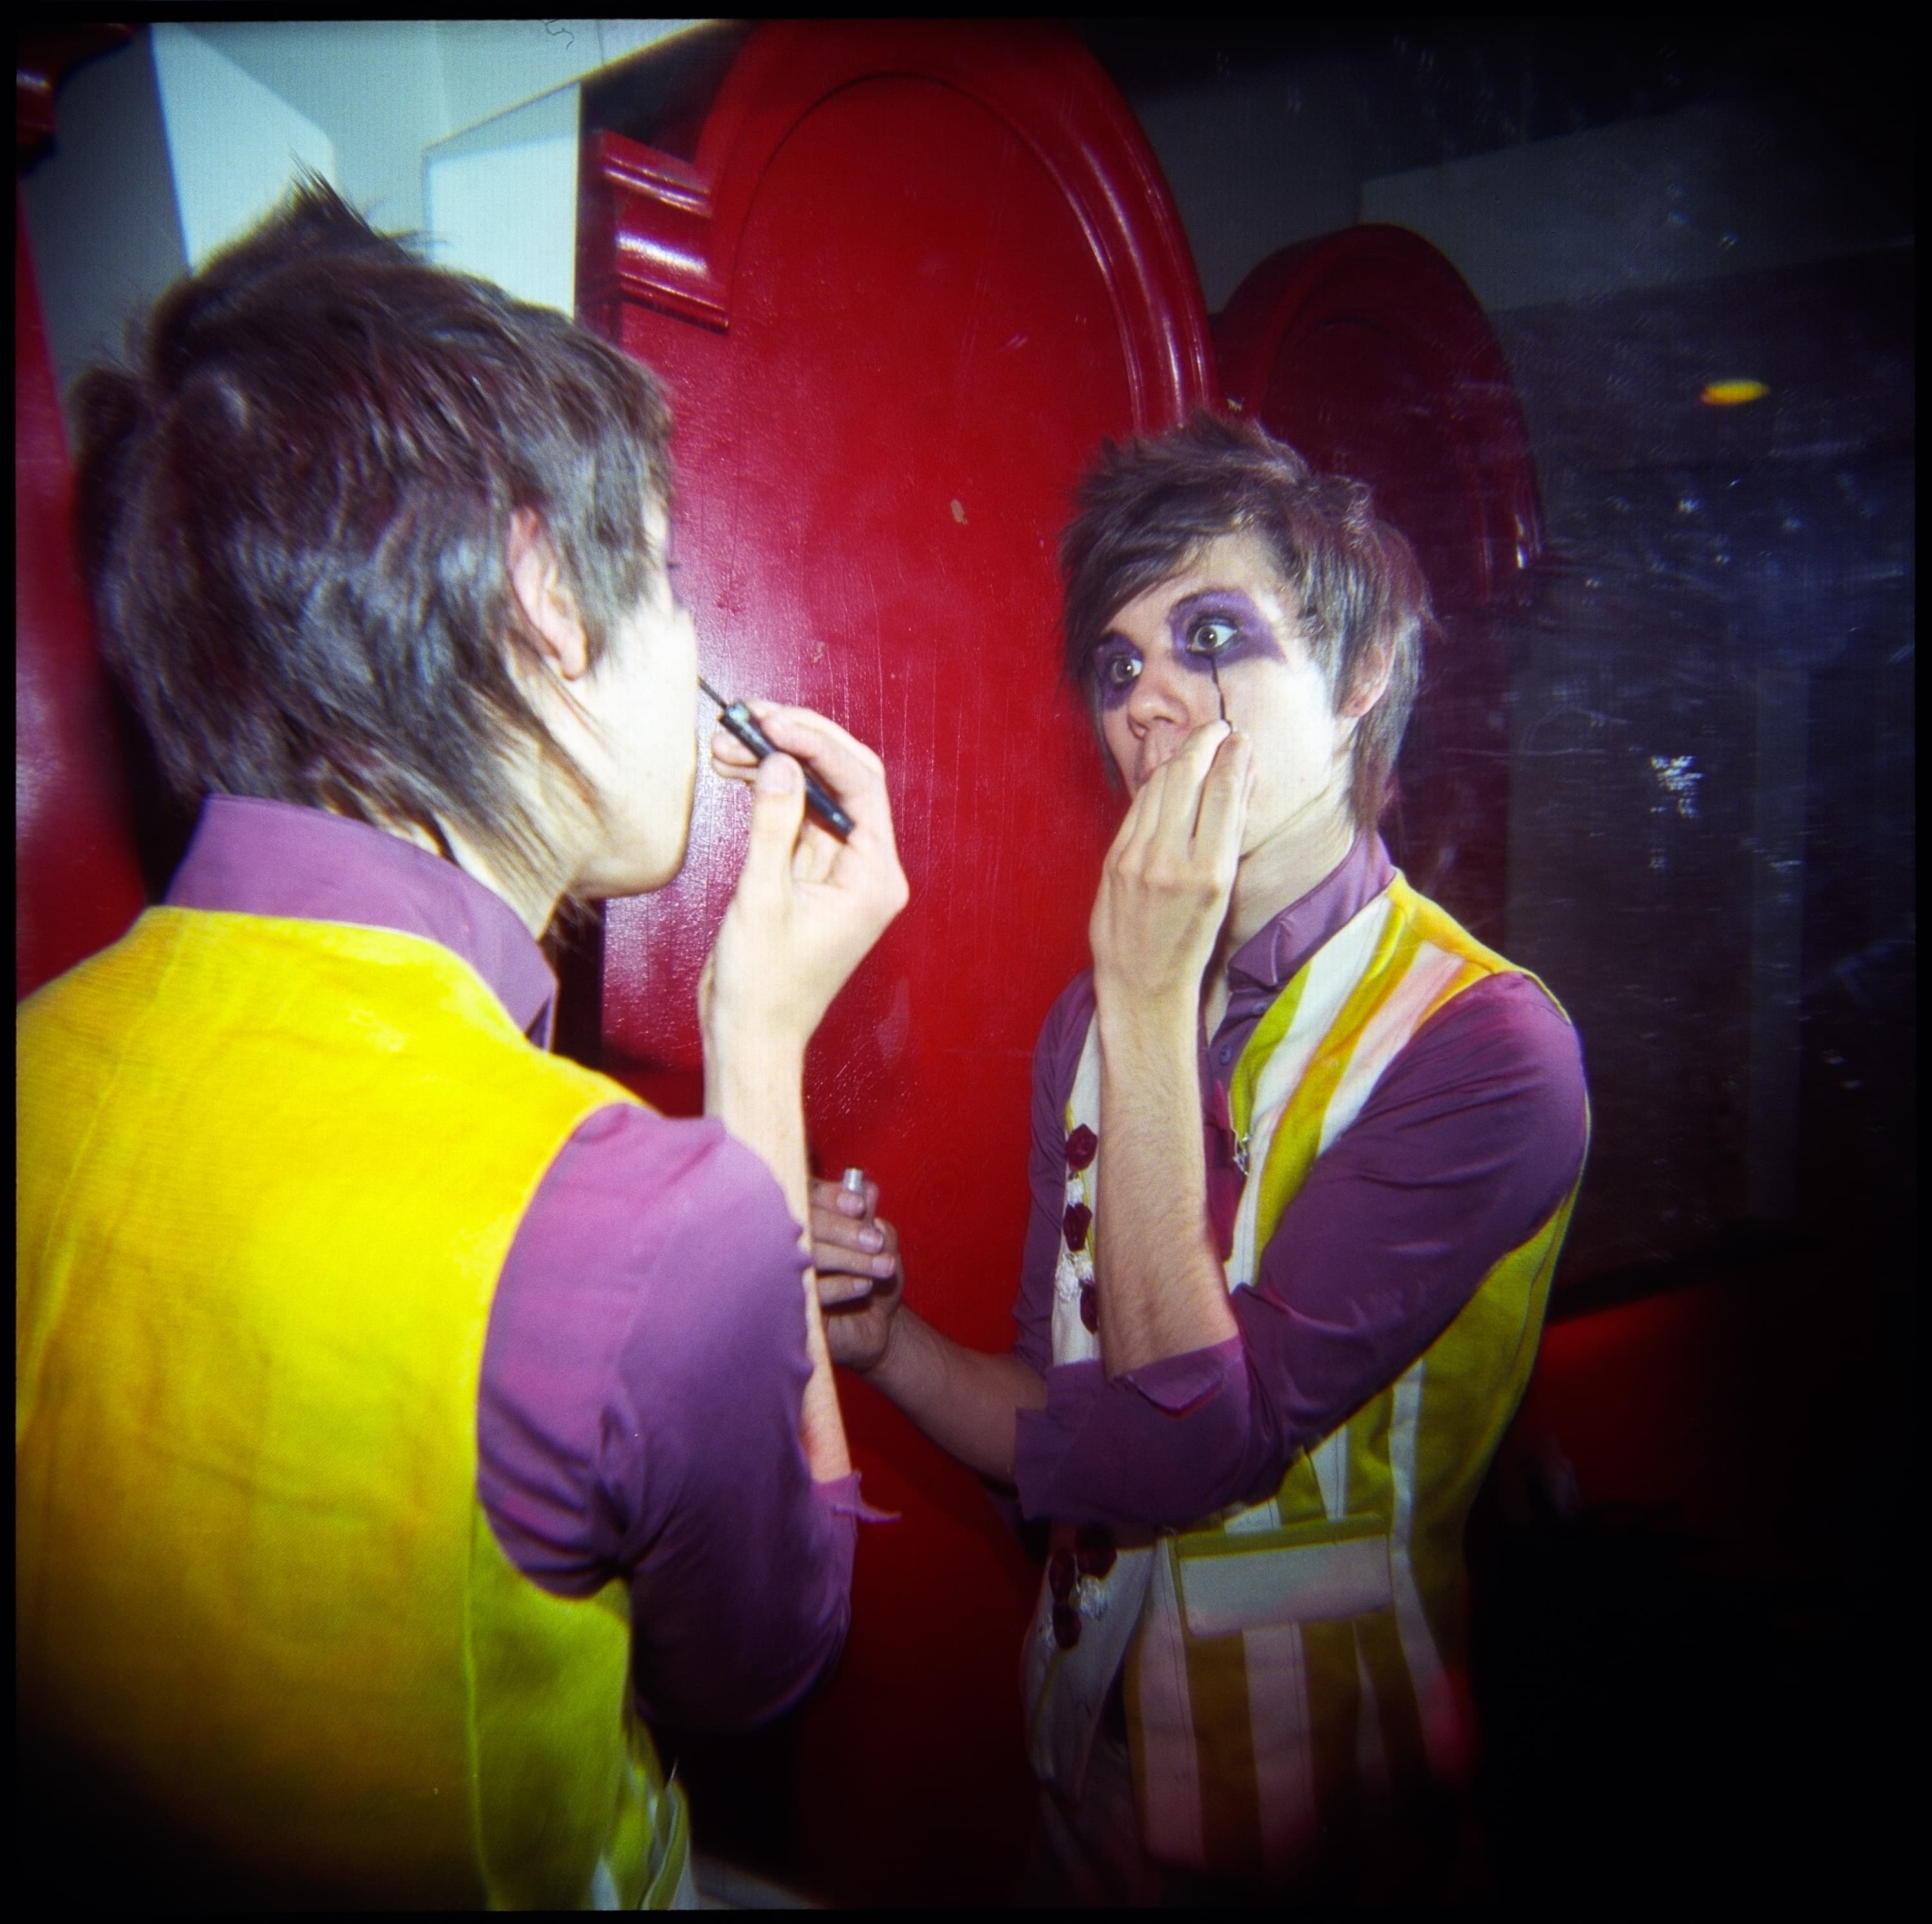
pixel 268 1174
pixel 1284 1658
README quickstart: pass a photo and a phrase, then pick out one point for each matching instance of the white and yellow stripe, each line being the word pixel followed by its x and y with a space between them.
pixel 1291 1654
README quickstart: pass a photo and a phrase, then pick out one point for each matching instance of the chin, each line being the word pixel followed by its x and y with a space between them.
pixel 649 854
pixel 638 874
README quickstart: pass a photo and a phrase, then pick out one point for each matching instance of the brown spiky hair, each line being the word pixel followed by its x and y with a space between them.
pixel 1148 506
pixel 293 502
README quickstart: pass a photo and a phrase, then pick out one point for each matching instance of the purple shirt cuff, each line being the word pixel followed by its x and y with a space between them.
pixel 1184 1423
pixel 840 1495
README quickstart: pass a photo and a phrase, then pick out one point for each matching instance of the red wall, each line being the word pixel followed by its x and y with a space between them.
pixel 910 279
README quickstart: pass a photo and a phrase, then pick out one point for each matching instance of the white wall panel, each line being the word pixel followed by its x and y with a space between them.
pixel 234 145
pixel 500 199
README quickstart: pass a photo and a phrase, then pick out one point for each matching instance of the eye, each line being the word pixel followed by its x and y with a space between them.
pixel 1119 669
pixel 1212 636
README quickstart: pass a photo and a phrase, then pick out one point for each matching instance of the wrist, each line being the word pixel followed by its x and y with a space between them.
pixel 1140 1024
pixel 749 1058
pixel 891 1373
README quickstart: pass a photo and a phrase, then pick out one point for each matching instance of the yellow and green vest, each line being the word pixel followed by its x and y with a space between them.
pixel 269 1173
pixel 1284 1658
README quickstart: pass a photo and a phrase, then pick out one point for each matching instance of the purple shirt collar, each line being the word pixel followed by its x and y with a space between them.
pixel 1268 960
pixel 255 858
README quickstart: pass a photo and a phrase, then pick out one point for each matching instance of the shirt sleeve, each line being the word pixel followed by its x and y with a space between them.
pixel 1056 1056
pixel 638 1416
pixel 1472 1139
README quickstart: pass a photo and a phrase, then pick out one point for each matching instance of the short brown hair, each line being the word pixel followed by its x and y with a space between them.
pixel 1148 506
pixel 294 501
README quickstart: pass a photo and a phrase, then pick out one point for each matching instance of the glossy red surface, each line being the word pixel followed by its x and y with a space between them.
pixel 1366 350
pixel 76 882
pixel 910 277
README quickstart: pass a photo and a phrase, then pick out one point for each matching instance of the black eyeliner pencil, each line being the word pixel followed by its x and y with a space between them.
pixel 736 718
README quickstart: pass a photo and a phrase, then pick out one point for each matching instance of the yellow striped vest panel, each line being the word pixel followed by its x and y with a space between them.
pixel 1285 1659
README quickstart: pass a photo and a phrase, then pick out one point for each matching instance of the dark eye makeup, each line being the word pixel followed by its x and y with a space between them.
pixel 1216 622
pixel 1211 635
pixel 1116 665
pixel 1207 628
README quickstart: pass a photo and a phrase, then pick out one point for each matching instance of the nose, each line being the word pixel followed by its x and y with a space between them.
pixel 1168 700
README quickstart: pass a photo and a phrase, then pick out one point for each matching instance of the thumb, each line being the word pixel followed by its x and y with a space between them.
pixel 778 812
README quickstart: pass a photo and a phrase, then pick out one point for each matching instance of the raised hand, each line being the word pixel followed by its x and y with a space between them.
pixel 808 907
pixel 1166 885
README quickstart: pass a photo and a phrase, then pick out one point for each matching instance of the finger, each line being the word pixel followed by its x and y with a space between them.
pixel 1135 824
pixel 728 751
pixel 851 770
pixel 854 1249
pixel 839 1288
pixel 1170 800
pixel 1224 801
pixel 1191 769
pixel 814 731
pixel 828 1194
pixel 817 853
pixel 778 810
pixel 1188 775
pixel 889 1259
pixel 863 1239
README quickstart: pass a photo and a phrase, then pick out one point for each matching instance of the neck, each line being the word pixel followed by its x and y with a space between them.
pixel 534 904
pixel 1280 870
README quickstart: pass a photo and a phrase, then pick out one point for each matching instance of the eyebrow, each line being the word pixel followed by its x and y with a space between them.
pixel 1189 602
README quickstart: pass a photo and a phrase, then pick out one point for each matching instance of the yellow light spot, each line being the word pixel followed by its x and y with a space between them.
pixel 959 513
pixel 1732 393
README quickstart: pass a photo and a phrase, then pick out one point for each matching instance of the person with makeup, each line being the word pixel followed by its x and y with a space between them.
pixel 1304 1154
pixel 403 1414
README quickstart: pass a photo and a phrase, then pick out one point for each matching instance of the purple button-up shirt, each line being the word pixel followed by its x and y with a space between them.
pixel 1468 1142
pixel 642 1374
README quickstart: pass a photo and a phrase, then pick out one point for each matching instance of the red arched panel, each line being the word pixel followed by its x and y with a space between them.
pixel 1366 350
pixel 911 276
pixel 76 880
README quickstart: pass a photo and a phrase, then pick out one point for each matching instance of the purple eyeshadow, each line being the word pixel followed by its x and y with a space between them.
pixel 1256 636
pixel 1224 604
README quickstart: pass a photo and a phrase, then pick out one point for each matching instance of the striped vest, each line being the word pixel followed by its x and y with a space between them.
pixel 1285 1658
pixel 269 1171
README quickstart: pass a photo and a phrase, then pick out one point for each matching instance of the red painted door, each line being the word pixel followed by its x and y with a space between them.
pixel 1366 350
pixel 76 880
pixel 909 277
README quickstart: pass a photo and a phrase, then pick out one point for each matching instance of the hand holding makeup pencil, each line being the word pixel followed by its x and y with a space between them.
pixel 808 906
pixel 810 903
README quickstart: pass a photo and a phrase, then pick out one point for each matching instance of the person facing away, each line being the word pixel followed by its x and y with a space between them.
pixel 403 1413
pixel 1304 1151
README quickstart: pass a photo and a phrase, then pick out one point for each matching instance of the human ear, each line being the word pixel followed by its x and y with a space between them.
pixel 536 579
pixel 1370 684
